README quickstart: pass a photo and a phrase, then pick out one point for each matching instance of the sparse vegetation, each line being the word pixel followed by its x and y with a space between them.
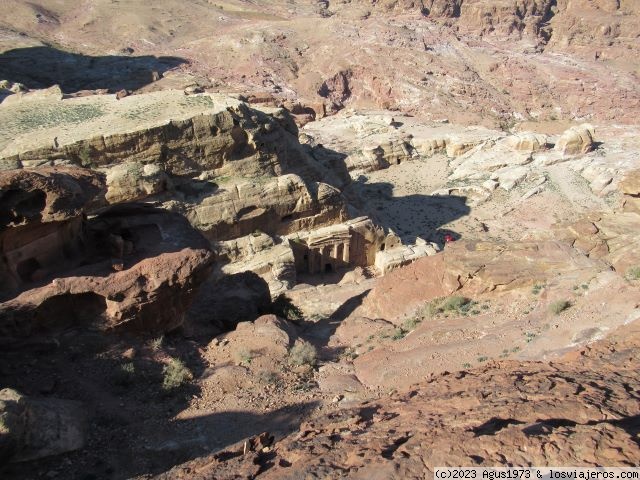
pixel 284 308
pixel 124 375
pixel 482 359
pixel 559 306
pixel 4 428
pixel 454 304
pixel 175 374
pixel 398 334
pixel 47 116
pixel 536 289
pixel 268 377
pixel 245 357
pixel 156 343
pixel 529 336
pixel 84 154
pixel 633 273
pixel 466 365
pixel 303 353
pixel 349 354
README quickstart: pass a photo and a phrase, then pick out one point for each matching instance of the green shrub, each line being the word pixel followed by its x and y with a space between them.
pixel 633 273
pixel 559 306
pixel 536 289
pixel 268 377
pixel 156 343
pixel 245 357
pixel 454 303
pixel 124 375
pixel 411 323
pixel 398 334
pixel 175 374
pixel 284 308
pixel 303 353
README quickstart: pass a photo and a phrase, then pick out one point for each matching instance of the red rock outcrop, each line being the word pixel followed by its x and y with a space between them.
pixel 579 411
pixel 41 221
pixel 130 267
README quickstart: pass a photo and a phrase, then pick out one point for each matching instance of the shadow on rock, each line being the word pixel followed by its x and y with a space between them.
pixel 42 67
pixel 319 333
pixel 411 216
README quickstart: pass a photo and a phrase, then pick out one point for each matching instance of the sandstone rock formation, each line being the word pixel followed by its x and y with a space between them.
pixel 41 217
pixel 527 59
pixel 630 187
pixel 59 270
pixel 576 140
pixel 505 413
pixel 32 428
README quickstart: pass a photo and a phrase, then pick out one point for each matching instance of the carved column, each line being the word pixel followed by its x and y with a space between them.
pixel 311 257
pixel 345 252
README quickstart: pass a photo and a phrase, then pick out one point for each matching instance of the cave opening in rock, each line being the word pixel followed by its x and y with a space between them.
pixel 27 268
pixel 71 310
pixel 328 268
pixel 18 205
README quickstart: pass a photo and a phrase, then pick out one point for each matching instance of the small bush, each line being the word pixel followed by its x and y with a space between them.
pixel 284 308
pixel 482 359
pixel 411 323
pixel 466 365
pixel 175 374
pixel 398 334
pixel 156 343
pixel 268 377
pixel 124 375
pixel 536 289
pixel 303 353
pixel 245 357
pixel 454 303
pixel 559 306
pixel 633 273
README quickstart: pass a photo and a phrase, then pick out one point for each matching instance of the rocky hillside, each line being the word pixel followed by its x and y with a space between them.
pixel 336 239
pixel 473 61
pixel 582 410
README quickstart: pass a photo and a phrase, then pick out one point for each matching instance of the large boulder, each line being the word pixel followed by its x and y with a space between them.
pixel 48 195
pixel 141 269
pixel 32 428
pixel 577 140
pixel 224 302
pixel 41 221
pixel 630 188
